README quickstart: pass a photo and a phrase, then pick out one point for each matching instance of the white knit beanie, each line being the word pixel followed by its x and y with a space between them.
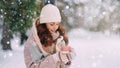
pixel 50 13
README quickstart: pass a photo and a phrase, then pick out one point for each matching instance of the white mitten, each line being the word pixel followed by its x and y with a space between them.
pixel 60 42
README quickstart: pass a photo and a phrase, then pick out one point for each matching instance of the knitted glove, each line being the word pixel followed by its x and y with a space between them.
pixel 63 55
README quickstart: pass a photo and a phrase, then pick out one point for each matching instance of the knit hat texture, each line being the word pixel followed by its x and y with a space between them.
pixel 50 13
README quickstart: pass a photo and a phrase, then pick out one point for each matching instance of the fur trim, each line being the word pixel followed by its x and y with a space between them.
pixel 36 38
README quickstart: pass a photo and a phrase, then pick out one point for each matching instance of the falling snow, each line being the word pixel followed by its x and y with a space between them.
pixel 94 50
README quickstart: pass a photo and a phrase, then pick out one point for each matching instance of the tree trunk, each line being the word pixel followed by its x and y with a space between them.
pixel 23 38
pixel 6 35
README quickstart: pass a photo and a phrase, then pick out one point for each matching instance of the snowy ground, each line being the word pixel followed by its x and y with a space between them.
pixel 96 53
pixel 94 50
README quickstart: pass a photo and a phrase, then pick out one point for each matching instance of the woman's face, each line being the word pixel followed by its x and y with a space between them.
pixel 52 26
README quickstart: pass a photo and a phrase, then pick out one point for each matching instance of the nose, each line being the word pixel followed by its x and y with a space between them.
pixel 55 28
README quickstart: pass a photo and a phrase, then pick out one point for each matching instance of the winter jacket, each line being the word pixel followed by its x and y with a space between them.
pixel 36 56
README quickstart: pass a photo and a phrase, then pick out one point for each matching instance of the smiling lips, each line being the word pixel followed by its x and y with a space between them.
pixel 52 31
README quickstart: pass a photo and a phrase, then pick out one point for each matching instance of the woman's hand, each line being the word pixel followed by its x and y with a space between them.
pixel 66 49
pixel 65 54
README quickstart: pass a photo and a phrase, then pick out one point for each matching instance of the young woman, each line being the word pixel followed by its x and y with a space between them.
pixel 47 46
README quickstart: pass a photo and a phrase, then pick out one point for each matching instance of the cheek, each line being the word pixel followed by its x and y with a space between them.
pixel 57 27
pixel 48 27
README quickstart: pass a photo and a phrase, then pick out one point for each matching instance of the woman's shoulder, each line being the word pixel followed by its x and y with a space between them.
pixel 29 43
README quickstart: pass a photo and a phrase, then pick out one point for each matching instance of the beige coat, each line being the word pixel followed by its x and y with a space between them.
pixel 50 61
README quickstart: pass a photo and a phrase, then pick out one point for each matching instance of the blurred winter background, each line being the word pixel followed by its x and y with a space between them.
pixel 93 28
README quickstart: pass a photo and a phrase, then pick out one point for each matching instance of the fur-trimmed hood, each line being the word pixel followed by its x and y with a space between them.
pixel 34 35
